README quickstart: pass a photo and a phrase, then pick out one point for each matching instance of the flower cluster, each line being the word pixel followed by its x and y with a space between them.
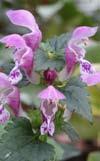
pixel 24 50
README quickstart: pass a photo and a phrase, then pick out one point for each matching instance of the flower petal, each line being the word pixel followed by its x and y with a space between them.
pixel 86 67
pixel 13 100
pixel 18 55
pixel 13 40
pixel 84 32
pixel 70 61
pixel 91 79
pixel 26 62
pixel 44 128
pixel 47 128
pixel 4 81
pixel 51 93
pixel 48 109
pixel 33 39
pixel 77 50
pixel 22 18
pixel 51 128
pixel 15 76
pixel 4 115
pixel 26 19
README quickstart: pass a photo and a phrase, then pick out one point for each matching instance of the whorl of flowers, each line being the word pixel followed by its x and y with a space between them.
pixel 24 51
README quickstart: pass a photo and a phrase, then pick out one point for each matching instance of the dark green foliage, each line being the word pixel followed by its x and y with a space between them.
pixel 20 144
pixel 64 151
pixel 62 126
pixel 59 121
pixel 70 131
pixel 52 53
pixel 36 117
pixel 77 98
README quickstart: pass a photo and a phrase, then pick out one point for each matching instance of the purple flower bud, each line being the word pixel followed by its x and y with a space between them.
pixel 50 75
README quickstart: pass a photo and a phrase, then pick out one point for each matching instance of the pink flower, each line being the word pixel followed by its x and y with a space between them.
pixel 50 98
pixel 79 39
pixel 75 50
pixel 75 53
pixel 9 95
pixel 48 108
pixel 26 45
pixel 4 115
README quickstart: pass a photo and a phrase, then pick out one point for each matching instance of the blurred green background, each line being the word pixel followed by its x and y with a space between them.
pixel 55 17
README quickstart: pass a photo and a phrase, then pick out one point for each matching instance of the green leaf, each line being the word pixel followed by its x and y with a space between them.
pixel 52 53
pixel 64 151
pixel 61 125
pixel 20 144
pixel 36 117
pixel 58 149
pixel 77 98
pixel 70 131
pixel 59 120
pixel 7 66
pixel 1 131
pixel 5 54
pixel 94 156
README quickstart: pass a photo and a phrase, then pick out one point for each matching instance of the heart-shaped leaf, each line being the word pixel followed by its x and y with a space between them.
pixel 77 98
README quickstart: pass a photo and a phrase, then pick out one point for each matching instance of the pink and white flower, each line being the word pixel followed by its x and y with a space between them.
pixel 79 39
pixel 75 53
pixel 49 106
pixel 24 46
pixel 9 95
